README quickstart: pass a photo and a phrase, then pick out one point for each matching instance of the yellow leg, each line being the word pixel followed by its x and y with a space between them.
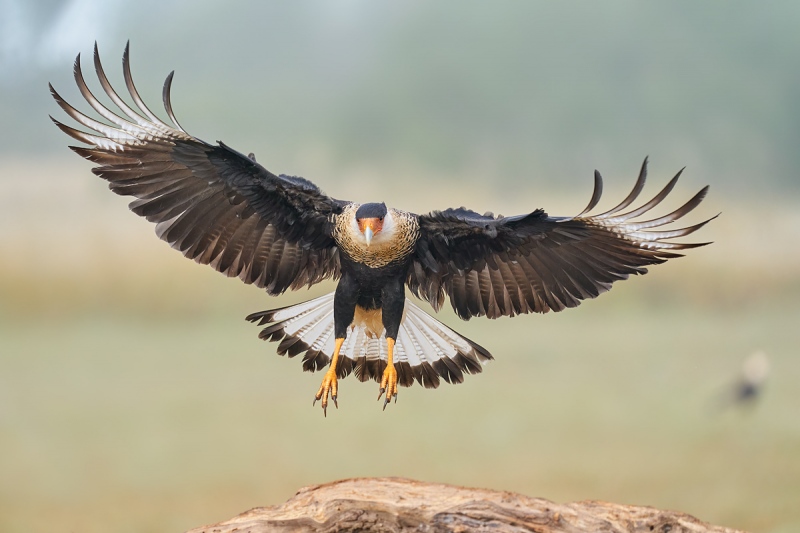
pixel 329 382
pixel 389 379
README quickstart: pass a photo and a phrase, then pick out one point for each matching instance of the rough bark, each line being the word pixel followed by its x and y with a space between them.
pixel 404 505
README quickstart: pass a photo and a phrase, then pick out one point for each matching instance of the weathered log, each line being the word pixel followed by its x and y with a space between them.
pixel 405 505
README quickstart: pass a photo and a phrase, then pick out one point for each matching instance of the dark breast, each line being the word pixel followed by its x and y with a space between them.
pixel 371 281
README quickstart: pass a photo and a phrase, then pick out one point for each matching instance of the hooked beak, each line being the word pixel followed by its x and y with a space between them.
pixel 369 227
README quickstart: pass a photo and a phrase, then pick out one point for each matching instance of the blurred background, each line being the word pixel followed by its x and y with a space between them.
pixel 133 395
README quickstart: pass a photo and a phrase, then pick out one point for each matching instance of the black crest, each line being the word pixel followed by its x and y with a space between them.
pixel 371 211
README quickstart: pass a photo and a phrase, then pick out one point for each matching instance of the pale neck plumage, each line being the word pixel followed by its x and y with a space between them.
pixel 393 243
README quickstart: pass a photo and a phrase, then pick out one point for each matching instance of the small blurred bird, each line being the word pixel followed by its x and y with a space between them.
pixel 749 386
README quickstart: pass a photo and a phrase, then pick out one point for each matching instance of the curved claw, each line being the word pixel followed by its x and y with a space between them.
pixel 388 385
pixel 330 387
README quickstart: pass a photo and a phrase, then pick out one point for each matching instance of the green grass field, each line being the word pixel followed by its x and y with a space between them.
pixel 126 423
pixel 135 398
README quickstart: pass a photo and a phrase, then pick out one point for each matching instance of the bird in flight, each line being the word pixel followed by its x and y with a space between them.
pixel 220 207
pixel 750 385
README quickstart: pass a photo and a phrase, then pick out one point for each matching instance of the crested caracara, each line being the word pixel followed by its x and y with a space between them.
pixel 278 232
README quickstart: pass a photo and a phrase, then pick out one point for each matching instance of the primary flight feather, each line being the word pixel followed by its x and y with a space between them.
pixel 278 232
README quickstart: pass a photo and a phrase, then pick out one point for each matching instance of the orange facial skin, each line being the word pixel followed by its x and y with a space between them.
pixel 375 224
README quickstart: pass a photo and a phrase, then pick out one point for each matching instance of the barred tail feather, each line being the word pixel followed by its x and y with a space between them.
pixel 426 350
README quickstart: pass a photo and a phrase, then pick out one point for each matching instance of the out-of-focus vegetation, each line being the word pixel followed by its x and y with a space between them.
pixel 133 395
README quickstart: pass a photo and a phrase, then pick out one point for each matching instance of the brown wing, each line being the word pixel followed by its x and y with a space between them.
pixel 506 266
pixel 212 203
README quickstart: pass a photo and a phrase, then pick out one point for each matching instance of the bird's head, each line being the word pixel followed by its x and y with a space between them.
pixel 369 218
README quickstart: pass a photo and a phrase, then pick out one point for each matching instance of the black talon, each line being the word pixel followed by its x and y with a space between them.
pixel 385 403
pixel 381 393
pixel 325 411
pixel 335 402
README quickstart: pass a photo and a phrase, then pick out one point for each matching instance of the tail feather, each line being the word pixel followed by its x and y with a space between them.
pixel 426 350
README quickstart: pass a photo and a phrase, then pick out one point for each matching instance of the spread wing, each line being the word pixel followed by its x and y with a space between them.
pixel 503 266
pixel 212 203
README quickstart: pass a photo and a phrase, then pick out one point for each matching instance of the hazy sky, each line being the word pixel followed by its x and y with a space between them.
pixel 516 90
pixel 46 33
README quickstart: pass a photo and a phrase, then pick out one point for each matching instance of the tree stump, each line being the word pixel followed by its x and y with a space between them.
pixel 405 505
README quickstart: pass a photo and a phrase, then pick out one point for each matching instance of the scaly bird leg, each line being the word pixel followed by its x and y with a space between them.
pixel 329 382
pixel 389 380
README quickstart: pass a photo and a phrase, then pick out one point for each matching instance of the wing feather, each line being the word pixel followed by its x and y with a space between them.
pixel 632 196
pixel 214 204
pixel 503 266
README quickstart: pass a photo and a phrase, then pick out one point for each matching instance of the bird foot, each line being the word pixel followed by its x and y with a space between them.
pixel 329 386
pixel 388 385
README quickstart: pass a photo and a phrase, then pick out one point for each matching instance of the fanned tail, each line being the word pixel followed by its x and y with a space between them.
pixel 426 350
